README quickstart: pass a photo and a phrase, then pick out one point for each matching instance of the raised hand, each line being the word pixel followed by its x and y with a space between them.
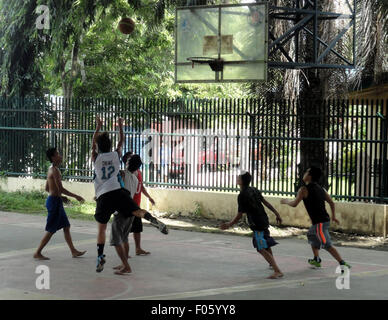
pixel 98 121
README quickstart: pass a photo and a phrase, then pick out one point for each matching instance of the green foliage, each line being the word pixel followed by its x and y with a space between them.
pixel 19 149
pixel 35 61
pixel 34 202
pixel 198 212
pixel 19 48
pixel 141 64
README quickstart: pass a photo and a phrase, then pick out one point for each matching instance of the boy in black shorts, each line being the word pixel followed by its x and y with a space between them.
pixel 110 194
pixel 314 197
pixel 250 201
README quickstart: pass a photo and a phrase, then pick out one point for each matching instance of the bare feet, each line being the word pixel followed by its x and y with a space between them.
pixel 39 256
pixel 118 267
pixel 142 252
pixel 123 271
pixel 77 253
pixel 276 275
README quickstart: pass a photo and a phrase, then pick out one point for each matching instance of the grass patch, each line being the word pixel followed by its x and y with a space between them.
pixel 34 202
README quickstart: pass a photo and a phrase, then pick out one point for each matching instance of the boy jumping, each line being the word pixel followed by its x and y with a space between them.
pixel 110 195
pixel 250 201
pixel 314 197
pixel 56 218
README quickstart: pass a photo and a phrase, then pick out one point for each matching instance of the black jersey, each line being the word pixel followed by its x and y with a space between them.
pixel 250 202
pixel 315 203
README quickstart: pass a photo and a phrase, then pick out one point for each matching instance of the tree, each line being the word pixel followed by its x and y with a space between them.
pixel 19 47
pixel 372 48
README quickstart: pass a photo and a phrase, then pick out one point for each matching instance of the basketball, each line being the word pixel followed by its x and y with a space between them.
pixel 126 25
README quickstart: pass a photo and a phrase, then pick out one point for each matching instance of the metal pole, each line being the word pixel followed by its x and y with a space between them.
pixel 383 187
pixel 315 41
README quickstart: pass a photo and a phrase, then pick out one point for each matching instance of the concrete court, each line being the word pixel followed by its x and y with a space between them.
pixel 182 265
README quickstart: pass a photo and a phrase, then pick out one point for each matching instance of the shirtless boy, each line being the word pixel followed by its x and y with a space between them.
pixel 56 218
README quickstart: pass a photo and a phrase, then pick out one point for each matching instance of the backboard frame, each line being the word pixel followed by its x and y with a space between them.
pixel 217 78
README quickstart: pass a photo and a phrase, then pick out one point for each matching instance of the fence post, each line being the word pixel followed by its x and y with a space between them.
pixel 383 187
pixel 52 140
pixel 385 161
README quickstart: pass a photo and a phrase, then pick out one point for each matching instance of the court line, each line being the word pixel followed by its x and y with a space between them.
pixel 192 243
pixel 15 253
pixel 247 288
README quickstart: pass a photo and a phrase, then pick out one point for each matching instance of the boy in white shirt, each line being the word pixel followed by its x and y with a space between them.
pixel 111 196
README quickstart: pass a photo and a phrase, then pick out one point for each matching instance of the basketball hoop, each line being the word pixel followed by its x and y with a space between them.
pixel 216 65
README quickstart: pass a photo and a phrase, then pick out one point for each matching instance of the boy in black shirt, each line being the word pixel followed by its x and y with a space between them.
pixel 250 201
pixel 314 197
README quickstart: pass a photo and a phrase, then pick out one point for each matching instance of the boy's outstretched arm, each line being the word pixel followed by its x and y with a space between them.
pixel 227 225
pixel 302 193
pixel 270 207
pixel 94 144
pixel 145 192
pixel 121 137
pixel 332 206
pixel 58 181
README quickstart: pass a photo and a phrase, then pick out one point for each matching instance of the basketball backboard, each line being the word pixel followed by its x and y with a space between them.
pixel 233 37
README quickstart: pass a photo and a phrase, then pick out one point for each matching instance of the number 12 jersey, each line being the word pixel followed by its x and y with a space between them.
pixel 107 173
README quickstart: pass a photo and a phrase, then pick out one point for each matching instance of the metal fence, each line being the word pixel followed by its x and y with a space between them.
pixel 202 144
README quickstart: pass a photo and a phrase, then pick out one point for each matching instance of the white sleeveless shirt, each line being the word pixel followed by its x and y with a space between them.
pixel 107 173
pixel 131 182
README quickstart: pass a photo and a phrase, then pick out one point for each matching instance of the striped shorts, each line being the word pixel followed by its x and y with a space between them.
pixel 318 235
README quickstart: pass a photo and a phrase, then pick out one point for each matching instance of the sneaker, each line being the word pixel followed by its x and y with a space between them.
pixel 100 263
pixel 161 226
pixel 346 265
pixel 315 263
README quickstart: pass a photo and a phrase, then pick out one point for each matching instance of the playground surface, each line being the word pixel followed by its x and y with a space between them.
pixel 182 265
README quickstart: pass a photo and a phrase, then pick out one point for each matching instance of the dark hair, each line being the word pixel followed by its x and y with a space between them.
pixel 246 179
pixel 50 153
pixel 126 156
pixel 134 163
pixel 315 173
pixel 103 142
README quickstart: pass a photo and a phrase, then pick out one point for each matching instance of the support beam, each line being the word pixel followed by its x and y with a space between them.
pixel 336 39
pixel 299 17
pixel 299 25
pixel 326 45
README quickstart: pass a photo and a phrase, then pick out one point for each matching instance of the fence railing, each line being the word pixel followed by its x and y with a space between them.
pixel 203 144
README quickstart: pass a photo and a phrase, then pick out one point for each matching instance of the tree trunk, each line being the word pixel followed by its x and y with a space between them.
pixel 312 113
pixel 68 78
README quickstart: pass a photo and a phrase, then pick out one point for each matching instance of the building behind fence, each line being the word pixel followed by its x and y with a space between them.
pixel 202 144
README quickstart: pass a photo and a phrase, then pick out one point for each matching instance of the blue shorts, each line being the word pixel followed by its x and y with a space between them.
pixel 56 218
pixel 263 240
pixel 318 235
